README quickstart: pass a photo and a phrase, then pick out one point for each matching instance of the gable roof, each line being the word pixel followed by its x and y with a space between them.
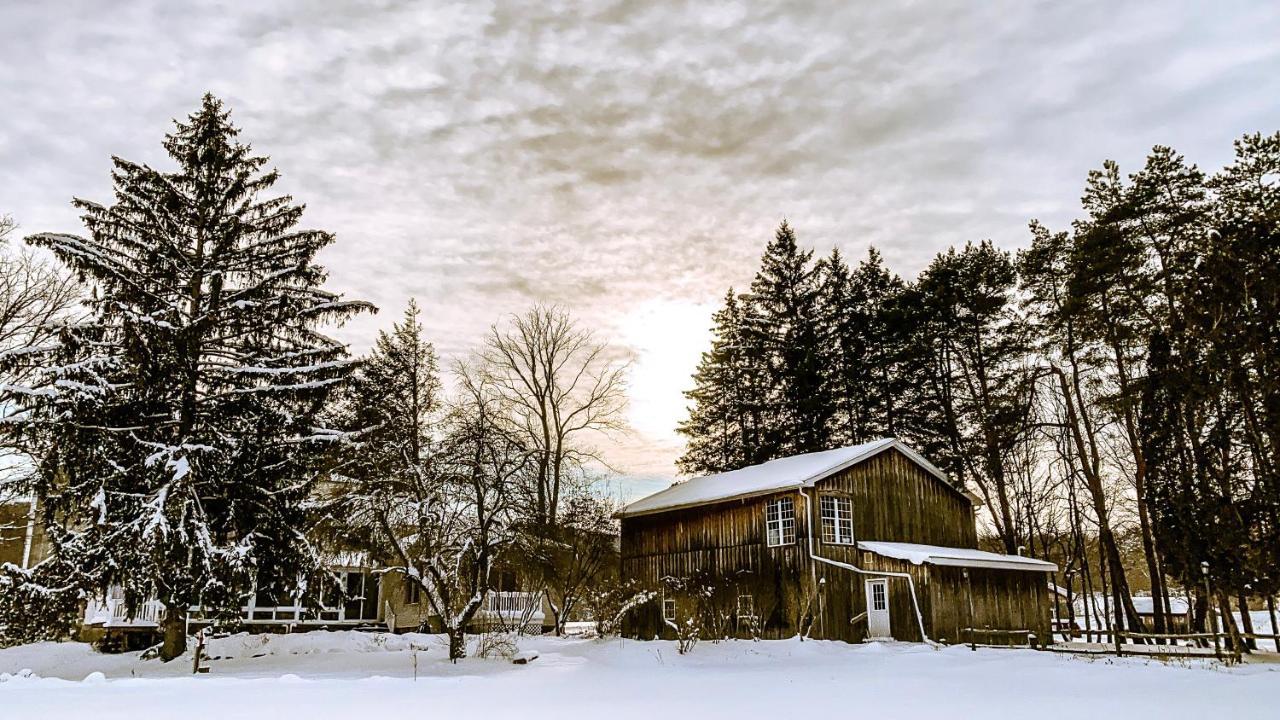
pixel 786 473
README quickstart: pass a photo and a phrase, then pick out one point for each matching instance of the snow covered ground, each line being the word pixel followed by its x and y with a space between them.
pixel 355 675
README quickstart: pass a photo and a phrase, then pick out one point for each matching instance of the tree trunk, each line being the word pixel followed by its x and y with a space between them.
pixel 1246 622
pixel 1275 629
pixel 1229 623
pixel 1159 596
pixel 174 630
pixel 1200 615
pixel 457 643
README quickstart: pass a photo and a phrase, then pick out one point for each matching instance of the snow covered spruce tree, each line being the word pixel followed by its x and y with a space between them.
pixel 175 430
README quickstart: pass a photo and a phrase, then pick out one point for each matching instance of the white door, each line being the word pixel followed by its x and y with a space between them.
pixel 878 609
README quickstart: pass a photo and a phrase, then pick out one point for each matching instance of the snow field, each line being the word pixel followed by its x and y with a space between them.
pixel 347 675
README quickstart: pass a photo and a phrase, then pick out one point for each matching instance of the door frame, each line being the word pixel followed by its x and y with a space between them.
pixel 872 612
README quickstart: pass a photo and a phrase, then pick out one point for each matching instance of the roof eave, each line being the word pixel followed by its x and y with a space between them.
pixel 623 513
pixel 1039 566
pixel 813 479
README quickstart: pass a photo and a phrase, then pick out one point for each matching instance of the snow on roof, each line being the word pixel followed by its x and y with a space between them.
pixel 781 474
pixel 955 557
pixel 1143 604
pixel 346 559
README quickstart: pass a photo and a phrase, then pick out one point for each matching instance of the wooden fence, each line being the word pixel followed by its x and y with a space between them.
pixel 1163 645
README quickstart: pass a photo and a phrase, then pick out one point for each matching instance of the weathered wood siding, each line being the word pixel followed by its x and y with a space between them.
pixel 724 542
pixel 844 599
pixel 1002 600
pixel 893 499
pixel 896 500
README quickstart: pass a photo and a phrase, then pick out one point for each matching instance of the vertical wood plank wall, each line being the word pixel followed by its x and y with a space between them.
pixel 894 500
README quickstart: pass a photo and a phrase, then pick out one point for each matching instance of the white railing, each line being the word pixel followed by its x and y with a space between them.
pixel 114 613
pixel 513 604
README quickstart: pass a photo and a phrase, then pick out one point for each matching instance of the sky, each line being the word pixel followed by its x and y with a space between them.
pixel 629 160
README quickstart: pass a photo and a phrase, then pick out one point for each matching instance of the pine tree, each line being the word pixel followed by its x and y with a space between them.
pixel 393 405
pixel 175 431
pixel 861 342
pixel 781 327
pixel 876 295
pixel 724 425
pixel 978 380
pixel 841 333
pixel 1209 423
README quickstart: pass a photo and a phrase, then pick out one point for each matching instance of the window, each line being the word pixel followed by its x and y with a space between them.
pixel 507 581
pixel 669 610
pixel 878 599
pixel 837 520
pixel 412 591
pixel 780 522
pixel 362 596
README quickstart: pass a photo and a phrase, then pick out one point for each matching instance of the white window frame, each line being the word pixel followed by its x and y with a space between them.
pixel 837 519
pixel 669 609
pixel 780 522
pixel 747 609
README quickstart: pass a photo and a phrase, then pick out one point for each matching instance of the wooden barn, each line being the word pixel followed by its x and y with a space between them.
pixel 870 541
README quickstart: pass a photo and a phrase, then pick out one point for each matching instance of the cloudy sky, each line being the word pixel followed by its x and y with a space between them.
pixel 630 159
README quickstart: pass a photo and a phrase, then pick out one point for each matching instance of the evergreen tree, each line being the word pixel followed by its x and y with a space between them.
pixel 175 430
pixel 877 294
pixel 842 332
pixel 781 327
pixel 1209 420
pixel 1110 291
pixel 860 339
pixel 393 405
pixel 979 382
pixel 724 427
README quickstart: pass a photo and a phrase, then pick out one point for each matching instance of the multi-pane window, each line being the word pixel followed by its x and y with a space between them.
pixel 878 599
pixel 837 520
pixel 780 522
pixel 412 592
pixel 362 596
pixel 669 610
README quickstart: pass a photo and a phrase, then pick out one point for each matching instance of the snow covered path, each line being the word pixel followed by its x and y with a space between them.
pixel 347 675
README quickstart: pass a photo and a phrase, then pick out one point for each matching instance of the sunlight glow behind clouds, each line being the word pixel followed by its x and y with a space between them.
pixel 626 159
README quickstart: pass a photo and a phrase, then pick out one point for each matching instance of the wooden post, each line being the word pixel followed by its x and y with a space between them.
pixel 1271 610
pixel 1211 616
pixel 195 660
pixel 968 591
pixel 822 612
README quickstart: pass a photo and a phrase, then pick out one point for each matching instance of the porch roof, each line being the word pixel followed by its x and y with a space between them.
pixel 955 557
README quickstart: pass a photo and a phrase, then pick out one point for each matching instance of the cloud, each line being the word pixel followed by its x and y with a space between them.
pixel 613 155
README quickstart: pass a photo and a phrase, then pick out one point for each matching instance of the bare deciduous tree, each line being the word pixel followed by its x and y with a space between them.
pixel 558 385
pixel 34 297
pixel 577 558
pixel 446 524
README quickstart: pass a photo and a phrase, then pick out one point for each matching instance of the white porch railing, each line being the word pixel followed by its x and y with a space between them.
pixel 113 613
pixel 513 604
